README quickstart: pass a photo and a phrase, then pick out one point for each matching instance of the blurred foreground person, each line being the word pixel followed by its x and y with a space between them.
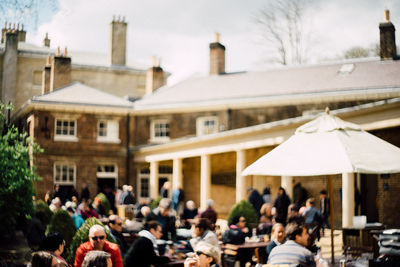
pixel 206 255
pixel 97 258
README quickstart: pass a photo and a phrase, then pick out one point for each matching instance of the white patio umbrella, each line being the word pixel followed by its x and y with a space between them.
pixel 327 146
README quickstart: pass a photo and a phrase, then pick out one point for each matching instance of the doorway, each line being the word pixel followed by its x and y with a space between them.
pixel 368 196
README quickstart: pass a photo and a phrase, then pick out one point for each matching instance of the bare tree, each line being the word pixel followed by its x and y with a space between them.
pixel 25 11
pixel 360 52
pixel 283 27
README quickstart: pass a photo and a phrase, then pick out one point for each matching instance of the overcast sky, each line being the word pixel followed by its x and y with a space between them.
pixel 179 31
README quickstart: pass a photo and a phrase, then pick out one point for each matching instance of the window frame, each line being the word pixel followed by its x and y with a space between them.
pixel 68 165
pixel 153 137
pixel 68 137
pixel 201 127
pixel 107 138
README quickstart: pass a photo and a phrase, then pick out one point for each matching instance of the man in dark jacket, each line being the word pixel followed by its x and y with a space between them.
pixel 162 215
pixel 281 204
pixel 144 252
pixel 255 200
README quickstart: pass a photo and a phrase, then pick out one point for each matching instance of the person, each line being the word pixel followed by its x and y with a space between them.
pixel 189 214
pixel 255 200
pixel 278 237
pixel 299 195
pixel 97 258
pixel 265 222
pixel 178 196
pixel 210 213
pixel 281 205
pixel 85 193
pixel 267 195
pixel 88 210
pixel 76 217
pixel 127 197
pixel 164 191
pixel 138 209
pixel 115 226
pixel 99 208
pixel 312 218
pixel 202 233
pixel 324 209
pixel 293 251
pixel 55 244
pixel 206 255
pixel 44 259
pixel 162 215
pixel 237 231
pixel 144 250
pixel 97 241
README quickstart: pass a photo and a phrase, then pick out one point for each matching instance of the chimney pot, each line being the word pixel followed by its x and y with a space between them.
pixel 65 52
pixel 217 37
pixel 58 52
pixel 387 15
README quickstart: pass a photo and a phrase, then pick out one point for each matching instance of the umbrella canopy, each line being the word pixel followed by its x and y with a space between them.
pixel 328 145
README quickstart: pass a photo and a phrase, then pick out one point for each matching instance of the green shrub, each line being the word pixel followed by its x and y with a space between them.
pixel 16 177
pixel 63 223
pixel 245 209
pixel 43 212
pixel 82 235
pixel 104 202
pixel 155 202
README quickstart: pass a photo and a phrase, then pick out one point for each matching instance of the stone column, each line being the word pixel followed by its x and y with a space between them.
pixel 205 180
pixel 287 183
pixel 177 173
pixel 240 179
pixel 154 179
pixel 347 199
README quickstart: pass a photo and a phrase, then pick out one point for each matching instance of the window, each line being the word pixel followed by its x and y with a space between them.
pixel 159 130
pixel 206 125
pixel 107 171
pixel 64 173
pixel 144 187
pixel 65 130
pixel 108 131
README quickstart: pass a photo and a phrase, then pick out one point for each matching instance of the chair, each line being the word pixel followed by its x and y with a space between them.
pixel 261 255
pixel 229 253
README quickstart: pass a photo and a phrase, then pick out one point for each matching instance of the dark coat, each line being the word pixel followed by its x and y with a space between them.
pixel 282 203
pixel 141 254
pixel 256 201
pixel 233 236
pixel 167 223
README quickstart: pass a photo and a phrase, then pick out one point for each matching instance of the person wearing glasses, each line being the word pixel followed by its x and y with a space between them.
pixel 206 255
pixel 144 250
pixel 115 227
pixel 54 243
pixel 97 241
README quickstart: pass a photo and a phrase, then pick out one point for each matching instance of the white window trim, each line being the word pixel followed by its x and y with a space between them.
pixel 141 176
pixel 159 139
pixel 65 138
pixel 200 125
pixel 108 174
pixel 62 182
pixel 107 139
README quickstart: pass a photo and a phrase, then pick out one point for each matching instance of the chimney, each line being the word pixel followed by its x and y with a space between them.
pixel 46 77
pixel 387 38
pixel 217 56
pixel 46 40
pixel 10 67
pixel 20 32
pixel 118 41
pixel 155 77
pixel 60 73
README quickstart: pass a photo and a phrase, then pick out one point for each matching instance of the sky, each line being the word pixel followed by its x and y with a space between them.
pixel 179 31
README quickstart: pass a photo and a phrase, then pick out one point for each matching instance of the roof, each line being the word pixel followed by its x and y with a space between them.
pixel 80 94
pixel 356 77
pixel 83 58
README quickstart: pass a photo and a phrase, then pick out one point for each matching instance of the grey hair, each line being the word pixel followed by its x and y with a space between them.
pixel 95 228
pixel 96 258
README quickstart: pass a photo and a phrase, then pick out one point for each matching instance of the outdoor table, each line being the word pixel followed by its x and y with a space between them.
pixel 249 246
pixel 174 262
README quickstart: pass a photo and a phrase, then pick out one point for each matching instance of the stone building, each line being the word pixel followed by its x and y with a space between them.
pixel 201 133
pixel 22 65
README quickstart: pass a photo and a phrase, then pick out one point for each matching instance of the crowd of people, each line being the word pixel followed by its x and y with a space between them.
pixel 157 235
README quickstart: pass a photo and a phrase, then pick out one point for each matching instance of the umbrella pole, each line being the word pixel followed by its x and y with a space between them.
pixel 331 218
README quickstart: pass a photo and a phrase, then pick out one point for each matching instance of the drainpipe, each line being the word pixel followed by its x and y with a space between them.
pixel 127 149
